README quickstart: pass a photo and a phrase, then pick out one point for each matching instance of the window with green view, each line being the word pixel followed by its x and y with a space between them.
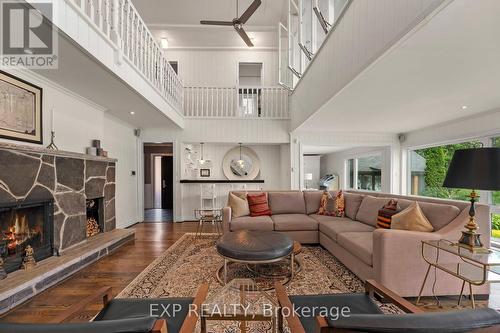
pixel 428 168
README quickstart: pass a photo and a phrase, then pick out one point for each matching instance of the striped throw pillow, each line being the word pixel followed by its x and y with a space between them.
pixel 385 214
pixel 258 204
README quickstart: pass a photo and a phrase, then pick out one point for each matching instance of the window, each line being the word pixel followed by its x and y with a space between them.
pixel 495 201
pixel 350 173
pixel 428 168
pixel 365 173
pixel 370 173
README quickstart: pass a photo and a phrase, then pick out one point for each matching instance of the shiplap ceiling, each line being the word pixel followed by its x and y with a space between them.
pixel 450 62
pixel 179 21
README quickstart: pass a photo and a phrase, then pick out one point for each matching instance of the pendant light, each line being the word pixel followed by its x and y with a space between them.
pixel 241 162
pixel 202 161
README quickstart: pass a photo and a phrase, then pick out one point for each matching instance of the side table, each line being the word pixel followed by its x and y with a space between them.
pixel 474 269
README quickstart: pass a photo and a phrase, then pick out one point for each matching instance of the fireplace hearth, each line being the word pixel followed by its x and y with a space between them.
pixel 23 224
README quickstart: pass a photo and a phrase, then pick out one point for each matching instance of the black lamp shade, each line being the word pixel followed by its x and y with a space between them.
pixel 475 169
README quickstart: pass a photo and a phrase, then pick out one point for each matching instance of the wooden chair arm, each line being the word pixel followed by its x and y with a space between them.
pixel 284 301
pixel 160 326
pixel 372 286
pixel 189 323
pixel 104 293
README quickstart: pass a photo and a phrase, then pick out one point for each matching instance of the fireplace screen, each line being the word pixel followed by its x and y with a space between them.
pixel 23 225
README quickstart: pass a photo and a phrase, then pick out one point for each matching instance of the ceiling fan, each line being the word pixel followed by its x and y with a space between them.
pixel 238 22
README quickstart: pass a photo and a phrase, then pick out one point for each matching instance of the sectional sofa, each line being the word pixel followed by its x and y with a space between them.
pixel 392 257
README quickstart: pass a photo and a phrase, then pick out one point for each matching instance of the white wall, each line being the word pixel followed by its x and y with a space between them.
pixel 269 156
pixel 77 122
pixel 219 68
pixel 273 171
pixel 312 166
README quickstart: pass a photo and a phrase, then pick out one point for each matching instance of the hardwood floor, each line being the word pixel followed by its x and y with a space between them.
pixel 116 270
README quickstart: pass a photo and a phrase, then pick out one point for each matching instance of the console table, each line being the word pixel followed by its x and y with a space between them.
pixel 475 269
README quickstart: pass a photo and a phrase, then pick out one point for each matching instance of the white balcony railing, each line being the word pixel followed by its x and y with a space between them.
pixel 122 25
pixel 232 102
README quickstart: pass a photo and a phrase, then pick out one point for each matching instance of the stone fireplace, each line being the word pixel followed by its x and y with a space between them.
pixel 23 224
pixel 59 203
pixel 69 180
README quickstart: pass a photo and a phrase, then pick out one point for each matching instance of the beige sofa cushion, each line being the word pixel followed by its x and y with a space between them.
pixel 359 244
pixel 439 215
pixel 352 203
pixel 312 199
pixel 294 222
pixel 287 202
pixel 368 210
pixel 412 219
pixel 239 205
pixel 252 223
pixel 333 226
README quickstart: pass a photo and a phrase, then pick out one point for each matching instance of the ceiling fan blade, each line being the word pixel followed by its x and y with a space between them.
pixel 217 23
pixel 249 12
pixel 243 35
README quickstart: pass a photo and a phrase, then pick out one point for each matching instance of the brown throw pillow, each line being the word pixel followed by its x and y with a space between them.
pixel 339 204
pixel 332 206
pixel 386 213
pixel 412 218
pixel 238 204
pixel 258 204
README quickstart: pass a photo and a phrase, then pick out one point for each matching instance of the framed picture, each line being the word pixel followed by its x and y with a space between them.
pixel 204 172
pixel 20 109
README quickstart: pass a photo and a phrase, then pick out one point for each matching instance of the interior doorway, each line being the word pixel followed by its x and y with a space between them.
pixel 158 182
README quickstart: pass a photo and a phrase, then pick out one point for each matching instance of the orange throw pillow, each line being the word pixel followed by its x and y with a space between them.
pixel 258 205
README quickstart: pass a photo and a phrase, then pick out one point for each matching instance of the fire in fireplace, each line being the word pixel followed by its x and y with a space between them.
pixel 95 216
pixel 22 225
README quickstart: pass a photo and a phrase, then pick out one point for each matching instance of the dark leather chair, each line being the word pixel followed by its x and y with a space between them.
pixel 125 315
pixel 365 316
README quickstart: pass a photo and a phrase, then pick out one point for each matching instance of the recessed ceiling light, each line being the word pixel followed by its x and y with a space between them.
pixel 164 43
pixel 464 107
pixel 132 112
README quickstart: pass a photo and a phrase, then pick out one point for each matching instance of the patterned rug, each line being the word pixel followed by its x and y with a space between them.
pixel 180 270
pixel 189 262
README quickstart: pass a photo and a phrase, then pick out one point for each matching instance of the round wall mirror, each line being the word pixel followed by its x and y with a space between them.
pixel 241 163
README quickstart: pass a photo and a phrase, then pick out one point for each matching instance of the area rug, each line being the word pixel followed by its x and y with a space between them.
pixel 189 262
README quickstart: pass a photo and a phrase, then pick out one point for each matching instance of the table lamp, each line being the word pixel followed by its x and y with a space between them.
pixel 474 169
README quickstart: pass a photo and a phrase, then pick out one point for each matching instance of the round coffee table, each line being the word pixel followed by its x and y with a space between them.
pixel 254 247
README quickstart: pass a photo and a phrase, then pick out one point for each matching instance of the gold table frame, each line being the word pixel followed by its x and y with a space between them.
pixel 469 263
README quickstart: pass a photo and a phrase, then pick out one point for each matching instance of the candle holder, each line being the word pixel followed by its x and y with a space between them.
pixel 52 144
